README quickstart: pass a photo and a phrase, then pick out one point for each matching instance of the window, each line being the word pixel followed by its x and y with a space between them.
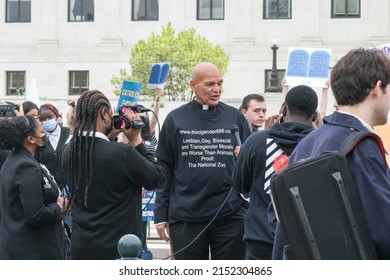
pixel 278 83
pixel 78 82
pixel 145 10
pixel 277 9
pixel 81 10
pixel 211 9
pixel 345 8
pixel 18 11
pixel 16 82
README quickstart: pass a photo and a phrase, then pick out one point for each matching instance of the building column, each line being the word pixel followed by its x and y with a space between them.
pixel 111 34
pixel 240 21
pixel 47 25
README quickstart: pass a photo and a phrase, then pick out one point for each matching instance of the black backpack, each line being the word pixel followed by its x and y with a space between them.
pixel 318 207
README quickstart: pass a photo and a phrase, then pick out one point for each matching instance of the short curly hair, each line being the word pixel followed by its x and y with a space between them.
pixel 13 131
pixel 302 100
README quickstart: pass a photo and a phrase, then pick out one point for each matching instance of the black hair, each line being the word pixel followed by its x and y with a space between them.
pixel 13 131
pixel 302 101
pixel 80 167
pixel 28 106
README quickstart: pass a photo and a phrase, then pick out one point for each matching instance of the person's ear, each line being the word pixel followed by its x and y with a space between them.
pixel 192 85
pixel 284 110
pixel 377 89
pixel 106 116
pixel 30 139
pixel 315 116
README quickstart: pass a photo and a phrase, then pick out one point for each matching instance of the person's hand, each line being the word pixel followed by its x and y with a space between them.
pixel 19 112
pixel 284 84
pixel 163 231
pixel 132 134
pixel 143 192
pixel 327 84
pixel 237 151
pixel 158 92
pixel 62 203
pixel 114 134
pixel 270 121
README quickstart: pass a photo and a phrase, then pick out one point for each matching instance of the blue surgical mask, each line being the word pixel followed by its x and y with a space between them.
pixel 49 125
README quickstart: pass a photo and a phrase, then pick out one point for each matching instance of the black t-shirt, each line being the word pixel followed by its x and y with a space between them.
pixel 196 149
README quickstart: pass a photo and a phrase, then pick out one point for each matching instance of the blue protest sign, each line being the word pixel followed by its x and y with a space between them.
pixel 297 63
pixel 319 64
pixel 308 66
pixel 129 95
pixel 158 75
pixel 148 206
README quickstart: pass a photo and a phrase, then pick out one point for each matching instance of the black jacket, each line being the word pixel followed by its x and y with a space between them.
pixel 30 217
pixel 262 154
pixel 50 157
pixel 3 156
pixel 113 205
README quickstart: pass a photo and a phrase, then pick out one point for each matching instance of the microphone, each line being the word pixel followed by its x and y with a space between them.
pixel 234 129
pixel 140 108
pixel 136 108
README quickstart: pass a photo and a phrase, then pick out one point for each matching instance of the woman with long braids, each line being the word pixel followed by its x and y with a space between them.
pixel 105 179
pixel 30 203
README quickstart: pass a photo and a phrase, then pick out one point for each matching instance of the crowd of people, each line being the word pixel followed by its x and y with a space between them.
pixel 212 194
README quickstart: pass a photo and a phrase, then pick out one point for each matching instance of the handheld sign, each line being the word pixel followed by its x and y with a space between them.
pixel 385 48
pixel 158 75
pixel 129 95
pixel 148 206
pixel 308 66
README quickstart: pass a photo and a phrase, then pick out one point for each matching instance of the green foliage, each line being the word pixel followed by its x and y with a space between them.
pixel 183 50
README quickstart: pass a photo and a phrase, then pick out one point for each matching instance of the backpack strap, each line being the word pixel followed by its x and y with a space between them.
pixel 354 138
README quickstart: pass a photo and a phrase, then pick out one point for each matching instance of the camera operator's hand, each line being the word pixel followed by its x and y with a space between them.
pixel 132 134
pixel 113 135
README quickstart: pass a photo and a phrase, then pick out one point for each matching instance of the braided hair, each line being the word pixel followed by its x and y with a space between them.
pixel 80 166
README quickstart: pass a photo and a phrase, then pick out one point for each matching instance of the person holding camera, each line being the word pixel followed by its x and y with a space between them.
pixel 31 206
pixel 148 135
pixel 105 178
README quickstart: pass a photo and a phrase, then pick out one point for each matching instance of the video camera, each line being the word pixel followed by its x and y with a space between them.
pixel 137 124
pixel 8 110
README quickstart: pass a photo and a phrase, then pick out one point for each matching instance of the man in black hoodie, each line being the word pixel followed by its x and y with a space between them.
pixel 264 153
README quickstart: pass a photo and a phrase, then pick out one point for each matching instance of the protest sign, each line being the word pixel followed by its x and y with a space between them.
pixel 148 206
pixel 158 75
pixel 129 95
pixel 308 66
pixel 384 48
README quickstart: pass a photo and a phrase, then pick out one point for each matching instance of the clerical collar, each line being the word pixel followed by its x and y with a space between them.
pixel 203 107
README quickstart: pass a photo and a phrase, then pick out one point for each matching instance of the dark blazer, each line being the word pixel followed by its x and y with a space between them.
pixel 30 217
pixel 3 156
pixel 50 157
pixel 113 205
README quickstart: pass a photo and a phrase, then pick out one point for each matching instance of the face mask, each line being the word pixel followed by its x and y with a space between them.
pixel 49 125
pixel 40 149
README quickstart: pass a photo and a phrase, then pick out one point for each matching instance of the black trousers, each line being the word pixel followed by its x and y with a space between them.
pixel 255 253
pixel 222 240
